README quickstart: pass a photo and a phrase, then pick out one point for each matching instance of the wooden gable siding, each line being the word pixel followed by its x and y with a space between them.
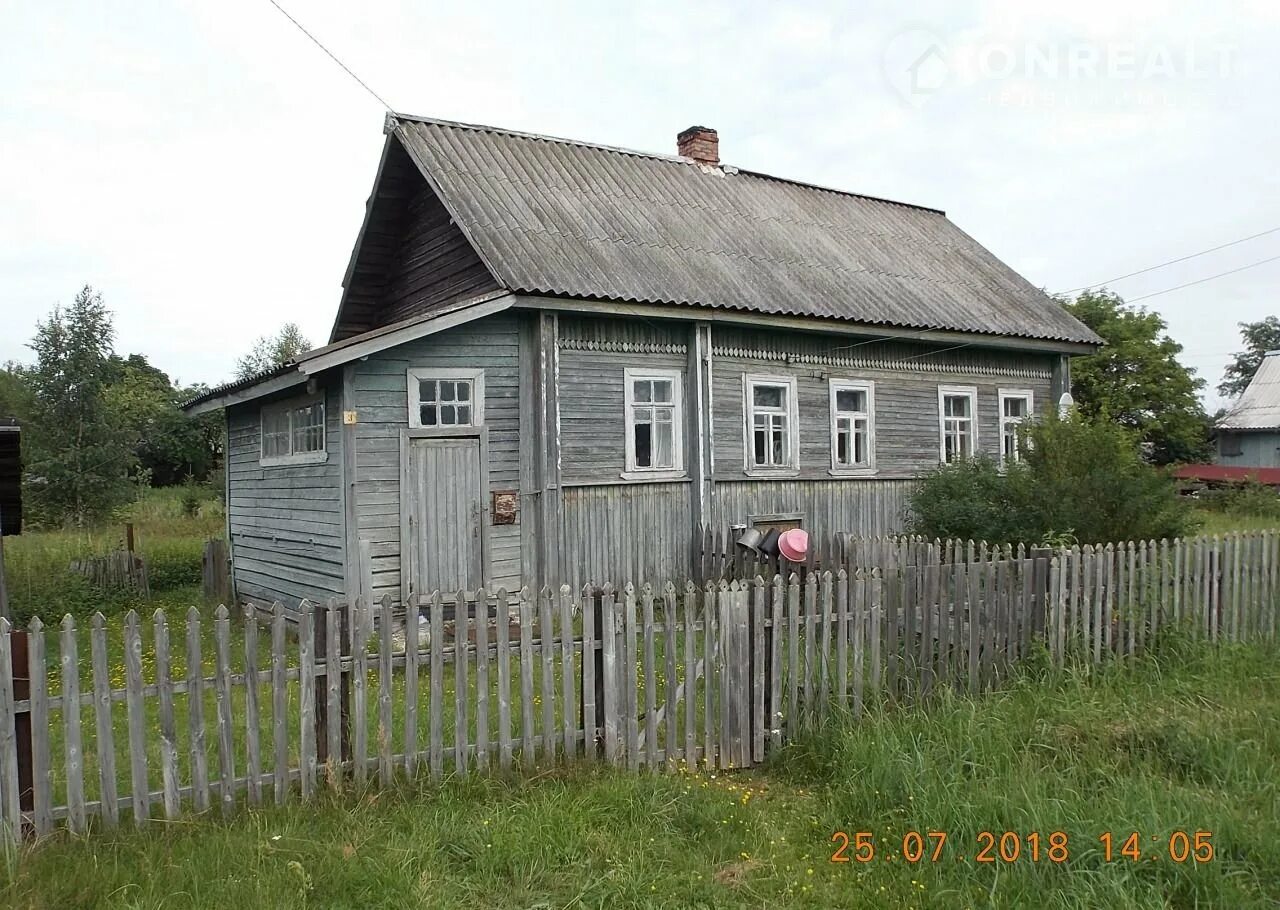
pixel 435 264
pixel 285 520
pixel 382 405
pixel 410 257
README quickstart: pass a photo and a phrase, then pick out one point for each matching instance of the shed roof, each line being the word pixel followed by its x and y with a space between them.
pixel 1259 406
pixel 565 218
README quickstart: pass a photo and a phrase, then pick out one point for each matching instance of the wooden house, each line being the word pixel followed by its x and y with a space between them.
pixel 1248 435
pixel 553 360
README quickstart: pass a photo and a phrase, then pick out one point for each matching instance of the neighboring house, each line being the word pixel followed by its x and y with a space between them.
pixel 554 360
pixel 1249 434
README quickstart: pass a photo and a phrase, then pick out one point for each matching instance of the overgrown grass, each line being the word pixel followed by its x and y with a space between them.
pixel 1185 741
pixel 1213 521
pixel 169 533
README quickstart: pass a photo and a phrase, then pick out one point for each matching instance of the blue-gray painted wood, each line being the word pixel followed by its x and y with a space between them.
pixel 291 531
pixel 381 401
pixel 285 520
pixel 1249 450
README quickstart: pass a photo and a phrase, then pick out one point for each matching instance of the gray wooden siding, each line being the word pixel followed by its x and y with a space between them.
pixel 627 532
pixel 1257 450
pixel 381 400
pixel 594 356
pixel 593 406
pixel 906 413
pixel 285 520
pixel 863 507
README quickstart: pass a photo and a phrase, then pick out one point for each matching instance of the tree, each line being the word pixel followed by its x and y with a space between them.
pixel 15 392
pixel 78 460
pixel 1137 381
pixel 1259 337
pixel 169 445
pixel 272 351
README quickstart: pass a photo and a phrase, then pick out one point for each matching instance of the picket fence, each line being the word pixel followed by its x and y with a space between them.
pixel 660 678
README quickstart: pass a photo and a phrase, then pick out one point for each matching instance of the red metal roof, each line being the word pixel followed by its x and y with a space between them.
pixel 1221 473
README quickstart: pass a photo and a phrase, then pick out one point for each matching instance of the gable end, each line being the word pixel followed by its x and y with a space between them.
pixel 410 258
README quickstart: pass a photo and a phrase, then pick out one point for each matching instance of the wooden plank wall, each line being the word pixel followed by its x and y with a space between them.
pixel 228 714
pixel 285 521
pixel 906 392
pixel 381 401
pixel 611 533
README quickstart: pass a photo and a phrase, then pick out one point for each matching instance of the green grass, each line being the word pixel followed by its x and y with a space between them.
pixel 38 562
pixel 1182 741
pixel 1216 522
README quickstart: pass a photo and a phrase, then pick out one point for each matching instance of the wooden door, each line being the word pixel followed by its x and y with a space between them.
pixel 445 515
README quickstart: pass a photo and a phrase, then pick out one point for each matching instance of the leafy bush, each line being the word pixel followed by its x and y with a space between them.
pixel 972 500
pixel 1078 479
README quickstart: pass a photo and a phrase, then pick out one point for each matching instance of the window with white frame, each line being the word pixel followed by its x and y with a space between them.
pixel 957 422
pixel 654 419
pixel 772 439
pixel 293 432
pixel 852 426
pixel 1016 408
pixel 443 398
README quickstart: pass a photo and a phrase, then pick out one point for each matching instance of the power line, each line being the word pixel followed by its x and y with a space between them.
pixel 1152 268
pixel 332 56
pixel 1179 287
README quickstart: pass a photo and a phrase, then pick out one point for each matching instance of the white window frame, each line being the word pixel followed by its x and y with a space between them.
pixel 289 406
pixel 853 385
pixel 676 378
pixel 417 374
pixel 1003 396
pixel 945 391
pixel 792 466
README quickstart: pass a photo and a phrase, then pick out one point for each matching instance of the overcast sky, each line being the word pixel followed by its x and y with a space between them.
pixel 206 167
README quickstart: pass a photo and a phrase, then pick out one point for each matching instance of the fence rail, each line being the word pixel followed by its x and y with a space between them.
pixel 134 722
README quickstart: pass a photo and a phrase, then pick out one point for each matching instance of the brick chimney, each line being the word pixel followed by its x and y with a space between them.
pixel 700 143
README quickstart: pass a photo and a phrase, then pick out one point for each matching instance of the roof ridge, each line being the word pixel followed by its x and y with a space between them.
pixel 543 137
pixel 394 117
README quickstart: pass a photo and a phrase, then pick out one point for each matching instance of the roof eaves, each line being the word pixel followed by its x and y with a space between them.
pixel 239 385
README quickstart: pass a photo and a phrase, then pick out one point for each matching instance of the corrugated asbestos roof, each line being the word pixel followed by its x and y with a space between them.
pixel 552 216
pixel 1259 406
pixel 236 385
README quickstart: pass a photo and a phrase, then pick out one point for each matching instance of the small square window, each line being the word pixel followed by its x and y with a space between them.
pixel 443 399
